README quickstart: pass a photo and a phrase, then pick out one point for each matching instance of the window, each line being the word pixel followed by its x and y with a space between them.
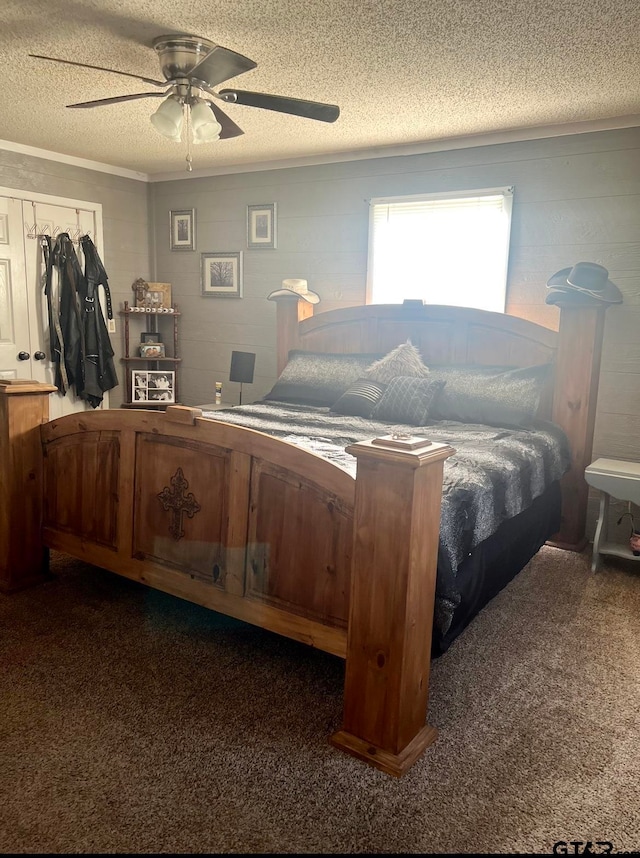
pixel 443 248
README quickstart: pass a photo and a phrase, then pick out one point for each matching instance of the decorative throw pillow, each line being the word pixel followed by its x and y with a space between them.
pixel 496 396
pixel 318 378
pixel 360 399
pixel 403 360
pixel 408 400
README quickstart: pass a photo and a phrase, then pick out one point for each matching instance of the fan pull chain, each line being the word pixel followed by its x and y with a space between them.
pixel 189 159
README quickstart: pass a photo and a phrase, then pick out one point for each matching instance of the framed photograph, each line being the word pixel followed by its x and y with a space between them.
pixel 153 385
pixel 182 229
pixel 222 274
pixel 150 337
pixel 154 296
pixel 151 351
pixel 261 227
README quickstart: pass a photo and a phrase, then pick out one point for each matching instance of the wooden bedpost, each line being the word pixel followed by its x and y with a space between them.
pixel 24 406
pixel 393 577
pixel 290 310
pixel 574 408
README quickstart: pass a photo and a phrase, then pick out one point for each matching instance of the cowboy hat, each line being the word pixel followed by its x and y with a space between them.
pixel 295 287
pixel 583 280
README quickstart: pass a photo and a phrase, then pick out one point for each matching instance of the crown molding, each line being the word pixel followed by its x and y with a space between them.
pixel 491 138
pixel 22 149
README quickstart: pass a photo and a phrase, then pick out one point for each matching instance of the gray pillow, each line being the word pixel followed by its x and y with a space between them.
pixel 403 360
pixel 496 396
pixel 408 400
pixel 360 399
pixel 318 378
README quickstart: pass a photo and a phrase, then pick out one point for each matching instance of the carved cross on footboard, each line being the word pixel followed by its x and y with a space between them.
pixel 178 502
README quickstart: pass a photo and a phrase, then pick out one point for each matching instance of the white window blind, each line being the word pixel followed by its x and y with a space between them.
pixel 445 249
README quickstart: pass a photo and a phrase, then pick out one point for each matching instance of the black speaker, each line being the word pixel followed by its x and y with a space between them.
pixel 242 366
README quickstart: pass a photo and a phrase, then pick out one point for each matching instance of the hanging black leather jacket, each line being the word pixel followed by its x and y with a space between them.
pixel 99 373
pixel 65 330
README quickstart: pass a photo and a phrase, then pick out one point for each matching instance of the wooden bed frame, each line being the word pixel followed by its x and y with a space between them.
pixel 264 531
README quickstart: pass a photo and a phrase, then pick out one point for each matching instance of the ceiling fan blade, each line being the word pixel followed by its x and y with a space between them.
pixel 229 127
pixel 101 102
pixel 219 65
pixel 102 68
pixel 295 106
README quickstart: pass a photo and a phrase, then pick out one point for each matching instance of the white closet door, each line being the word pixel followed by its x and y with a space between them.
pixel 14 316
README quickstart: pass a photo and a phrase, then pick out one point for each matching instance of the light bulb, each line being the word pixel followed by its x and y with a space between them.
pixel 204 125
pixel 168 118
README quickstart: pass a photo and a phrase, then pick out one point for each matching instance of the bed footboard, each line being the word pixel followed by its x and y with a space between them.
pixel 220 515
pixel 249 526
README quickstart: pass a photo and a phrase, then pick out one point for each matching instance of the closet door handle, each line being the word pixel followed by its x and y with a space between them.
pixel 39 355
pixel 23 355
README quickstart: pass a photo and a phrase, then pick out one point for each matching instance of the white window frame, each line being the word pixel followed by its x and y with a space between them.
pixel 506 192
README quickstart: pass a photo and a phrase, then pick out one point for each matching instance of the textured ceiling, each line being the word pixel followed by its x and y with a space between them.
pixel 402 71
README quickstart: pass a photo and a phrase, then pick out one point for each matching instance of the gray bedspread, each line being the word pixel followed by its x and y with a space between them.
pixel 495 473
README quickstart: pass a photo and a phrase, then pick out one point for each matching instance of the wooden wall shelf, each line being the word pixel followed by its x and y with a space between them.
pixel 150 320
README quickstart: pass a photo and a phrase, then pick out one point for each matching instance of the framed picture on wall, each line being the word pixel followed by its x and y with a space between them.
pixel 221 274
pixel 182 229
pixel 261 227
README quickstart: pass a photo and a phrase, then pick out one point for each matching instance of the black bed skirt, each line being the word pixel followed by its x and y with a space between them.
pixel 497 560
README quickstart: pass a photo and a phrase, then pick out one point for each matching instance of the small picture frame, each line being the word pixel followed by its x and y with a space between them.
pixel 152 386
pixel 150 337
pixel 221 274
pixel 154 296
pixel 261 226
pixel 152 351
pixel 182 229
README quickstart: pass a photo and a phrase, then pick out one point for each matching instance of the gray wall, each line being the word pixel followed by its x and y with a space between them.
pixel 125 215
pixel 576 198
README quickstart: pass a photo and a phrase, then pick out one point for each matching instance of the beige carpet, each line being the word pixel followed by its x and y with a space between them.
pixel 134 722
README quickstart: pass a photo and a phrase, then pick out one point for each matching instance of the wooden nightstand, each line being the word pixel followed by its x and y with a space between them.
pixel 618 479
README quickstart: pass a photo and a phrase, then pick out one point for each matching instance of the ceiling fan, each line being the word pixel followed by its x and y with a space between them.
pixel 192 66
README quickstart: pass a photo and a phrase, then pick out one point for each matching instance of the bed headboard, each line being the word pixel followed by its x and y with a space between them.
pixel 444 335
pixel 460 335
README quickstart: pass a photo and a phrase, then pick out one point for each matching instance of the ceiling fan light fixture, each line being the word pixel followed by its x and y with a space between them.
pixel 204 125
pixel 192 65
pixel 168 118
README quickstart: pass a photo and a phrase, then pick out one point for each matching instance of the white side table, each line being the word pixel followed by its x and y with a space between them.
pixel 618 479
